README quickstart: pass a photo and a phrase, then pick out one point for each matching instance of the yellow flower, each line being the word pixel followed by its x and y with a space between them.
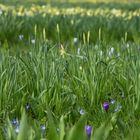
pixel 62 51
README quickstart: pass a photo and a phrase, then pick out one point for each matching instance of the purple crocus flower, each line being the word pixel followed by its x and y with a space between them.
pixel 106 106
pixel 88 131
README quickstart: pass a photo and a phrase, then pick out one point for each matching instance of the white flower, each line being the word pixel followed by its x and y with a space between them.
pixel 118 54
pixel 119 107
pixel 111 51
pixel 75 40
pixel 21 37
pixel 127 45
pixel 43 127
pixel 17 129
pixel 82 111
pixel 113 101
pixel 33 41
pixel 15 121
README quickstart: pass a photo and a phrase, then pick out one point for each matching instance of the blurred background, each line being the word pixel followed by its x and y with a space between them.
pixel 70 1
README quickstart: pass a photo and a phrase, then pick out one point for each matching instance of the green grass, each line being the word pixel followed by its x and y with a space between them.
pixel 56 65
pixel 74 20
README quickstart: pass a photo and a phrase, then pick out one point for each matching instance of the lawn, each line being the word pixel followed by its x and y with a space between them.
pixel 69 71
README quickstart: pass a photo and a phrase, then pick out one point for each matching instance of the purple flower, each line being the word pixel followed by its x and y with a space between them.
pixel 88 131
pixel 106 106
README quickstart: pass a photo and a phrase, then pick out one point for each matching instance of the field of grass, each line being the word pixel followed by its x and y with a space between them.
pixel 68 67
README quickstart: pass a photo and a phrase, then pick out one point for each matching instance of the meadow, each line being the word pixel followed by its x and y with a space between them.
pixel 69 71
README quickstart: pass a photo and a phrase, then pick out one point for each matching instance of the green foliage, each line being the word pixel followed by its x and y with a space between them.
pixel 58 66
pixel 77 132
pixel 73 19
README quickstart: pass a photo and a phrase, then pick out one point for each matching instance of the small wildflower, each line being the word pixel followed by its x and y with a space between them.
pixel 17 129
pixel 106 106
pixel 82 112
pixel 111 51
pixel 113 101
pixel 119 107
pixel 14 121
pixel 27 106
pixel 88 130
pixel 43 127
pixel 21 37
pixel 127 45
pixel 75 40
pixel 33 41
